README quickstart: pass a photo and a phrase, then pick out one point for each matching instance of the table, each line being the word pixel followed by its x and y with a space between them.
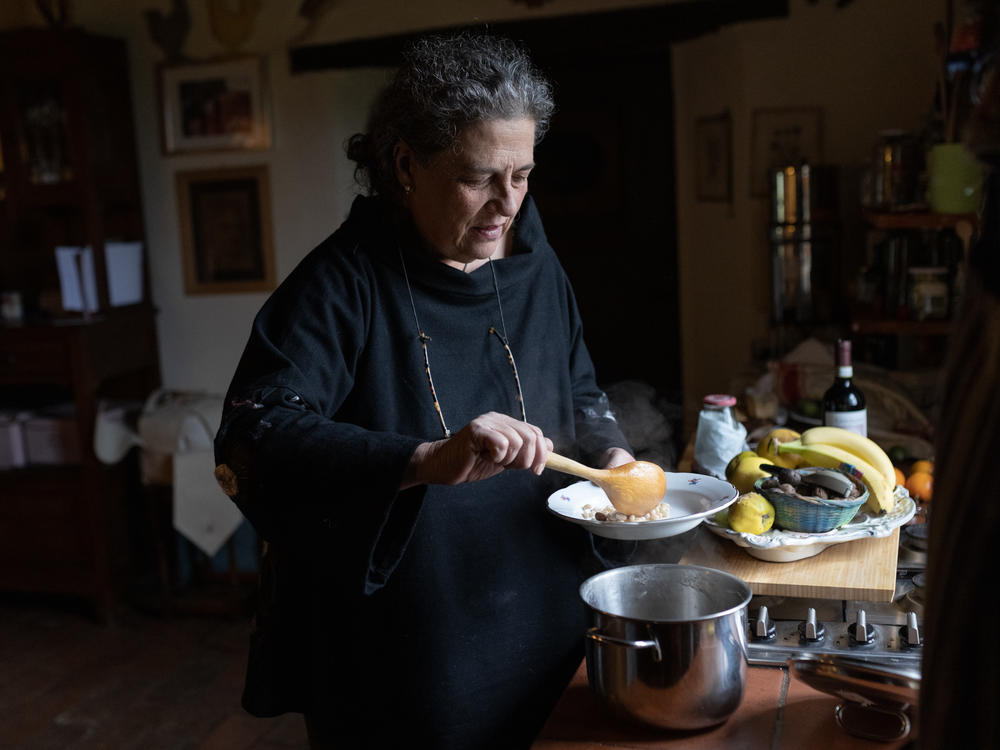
pixel 778 712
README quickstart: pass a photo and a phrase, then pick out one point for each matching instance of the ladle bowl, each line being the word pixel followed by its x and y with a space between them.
pixel 634 488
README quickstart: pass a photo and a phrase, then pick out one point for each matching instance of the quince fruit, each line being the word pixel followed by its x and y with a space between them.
pixel 768 448
pixel 731 466
pixel 751 514
pixel 722 517
pixel 747 471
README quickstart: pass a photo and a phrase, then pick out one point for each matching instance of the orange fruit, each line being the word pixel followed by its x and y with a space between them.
pixel 922 466
pixel 920 485
pixel 900 476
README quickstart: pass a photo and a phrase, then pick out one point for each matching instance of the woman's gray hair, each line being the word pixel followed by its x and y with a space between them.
pixel 445 84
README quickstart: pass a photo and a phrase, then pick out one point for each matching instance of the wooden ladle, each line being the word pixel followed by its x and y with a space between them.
pixel 634 488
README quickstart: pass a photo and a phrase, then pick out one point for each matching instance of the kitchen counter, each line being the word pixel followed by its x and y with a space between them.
pixel 778 712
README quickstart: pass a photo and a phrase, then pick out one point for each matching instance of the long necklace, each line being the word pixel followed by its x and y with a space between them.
pixel 424 339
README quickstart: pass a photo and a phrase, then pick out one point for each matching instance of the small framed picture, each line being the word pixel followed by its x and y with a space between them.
pixel 226 232
pixel 782 137
pixel 713 158
pixel 215 106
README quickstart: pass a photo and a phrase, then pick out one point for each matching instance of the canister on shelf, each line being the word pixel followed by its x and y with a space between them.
pixel 929 292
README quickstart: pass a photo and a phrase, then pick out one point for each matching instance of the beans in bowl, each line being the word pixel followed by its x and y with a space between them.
pixel 609 514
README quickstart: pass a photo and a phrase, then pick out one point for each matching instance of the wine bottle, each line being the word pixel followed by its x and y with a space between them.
pixel 843 402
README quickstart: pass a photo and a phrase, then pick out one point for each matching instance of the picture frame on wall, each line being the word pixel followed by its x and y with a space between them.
pixel 782 136
pixel 215 106
pixel 226 230
pixel 713 158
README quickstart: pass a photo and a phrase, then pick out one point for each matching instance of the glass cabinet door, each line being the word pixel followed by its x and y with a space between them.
pixel 45 147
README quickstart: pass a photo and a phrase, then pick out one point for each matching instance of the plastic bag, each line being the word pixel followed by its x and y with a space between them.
pixel 719 437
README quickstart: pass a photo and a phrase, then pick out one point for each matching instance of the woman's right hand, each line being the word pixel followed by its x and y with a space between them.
pixel 483 448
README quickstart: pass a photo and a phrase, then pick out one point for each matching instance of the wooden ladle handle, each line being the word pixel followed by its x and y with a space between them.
pixel 569 466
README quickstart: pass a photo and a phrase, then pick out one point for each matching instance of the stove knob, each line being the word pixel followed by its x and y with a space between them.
pixel 810 630
pixel 862 634
pixel 763 628
pixel 909 633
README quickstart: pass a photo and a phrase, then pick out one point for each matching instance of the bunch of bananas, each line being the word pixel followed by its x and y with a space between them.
pixel 837 448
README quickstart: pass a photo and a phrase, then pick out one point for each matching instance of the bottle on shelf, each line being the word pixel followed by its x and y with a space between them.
pixel 844 403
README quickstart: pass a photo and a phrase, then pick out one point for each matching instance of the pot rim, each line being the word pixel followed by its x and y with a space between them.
pixel 699 568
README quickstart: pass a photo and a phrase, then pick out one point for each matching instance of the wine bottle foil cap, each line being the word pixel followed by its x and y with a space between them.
pixel 844 353
pixel 719 400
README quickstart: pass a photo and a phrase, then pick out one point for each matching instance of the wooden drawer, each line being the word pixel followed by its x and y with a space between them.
pixel 33 360
pixel 42 517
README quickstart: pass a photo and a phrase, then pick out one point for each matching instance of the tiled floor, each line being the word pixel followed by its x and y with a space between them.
pixel 138 683
pixel 777 713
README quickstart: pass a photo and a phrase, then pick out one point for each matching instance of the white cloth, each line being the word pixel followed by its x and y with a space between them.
pixel 182 426
pixel 173 422
pixel 113 437
pixel 202 513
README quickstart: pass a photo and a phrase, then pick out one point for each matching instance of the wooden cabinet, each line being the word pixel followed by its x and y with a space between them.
pixel 69 171
pixel 68 177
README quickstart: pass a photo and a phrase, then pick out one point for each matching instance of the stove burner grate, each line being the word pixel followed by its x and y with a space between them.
pixel 915 536
pixel 913 544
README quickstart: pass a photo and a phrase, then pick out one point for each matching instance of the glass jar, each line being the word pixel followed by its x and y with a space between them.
pixel 719 435
pixel 895 171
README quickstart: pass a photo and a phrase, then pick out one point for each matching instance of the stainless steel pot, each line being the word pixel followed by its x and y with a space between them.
pixel 667 643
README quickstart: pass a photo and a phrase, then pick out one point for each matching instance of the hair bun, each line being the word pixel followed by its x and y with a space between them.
pixel 359 148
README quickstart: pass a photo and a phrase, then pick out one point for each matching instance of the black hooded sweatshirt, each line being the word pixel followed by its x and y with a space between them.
pixel 438 616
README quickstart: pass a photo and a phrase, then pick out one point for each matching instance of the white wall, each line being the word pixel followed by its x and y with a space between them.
pixel 869 66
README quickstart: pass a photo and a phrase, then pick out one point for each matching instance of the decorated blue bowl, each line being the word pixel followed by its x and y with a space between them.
pixel 812 515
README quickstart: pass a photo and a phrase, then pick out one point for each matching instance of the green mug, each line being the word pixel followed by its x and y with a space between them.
pixel 955 179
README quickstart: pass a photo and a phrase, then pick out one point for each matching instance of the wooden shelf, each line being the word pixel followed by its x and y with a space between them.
pixel 902 327
pixel 915 220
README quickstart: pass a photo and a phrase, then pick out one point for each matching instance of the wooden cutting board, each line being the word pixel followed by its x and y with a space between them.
pixel 864 569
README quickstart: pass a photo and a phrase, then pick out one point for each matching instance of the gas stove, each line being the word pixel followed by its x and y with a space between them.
pixel 887 634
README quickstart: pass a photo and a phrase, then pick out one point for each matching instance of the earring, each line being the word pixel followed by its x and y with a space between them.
pixel 407 189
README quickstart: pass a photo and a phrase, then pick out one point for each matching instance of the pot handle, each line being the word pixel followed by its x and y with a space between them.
pixel 596 635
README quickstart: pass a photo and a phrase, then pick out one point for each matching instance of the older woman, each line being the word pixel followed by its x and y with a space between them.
pixel 414 588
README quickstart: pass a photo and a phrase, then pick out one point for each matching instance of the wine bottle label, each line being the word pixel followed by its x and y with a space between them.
pixel 855 421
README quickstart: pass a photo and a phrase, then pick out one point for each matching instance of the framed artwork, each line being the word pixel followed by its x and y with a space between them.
pixel 226 231
pixel 783 136
pixel 215 106
pixel 713 158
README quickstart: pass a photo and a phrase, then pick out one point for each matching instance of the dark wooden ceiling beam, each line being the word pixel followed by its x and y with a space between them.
pixel 633 32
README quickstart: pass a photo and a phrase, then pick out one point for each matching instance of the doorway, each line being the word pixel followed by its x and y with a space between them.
pixel 604 186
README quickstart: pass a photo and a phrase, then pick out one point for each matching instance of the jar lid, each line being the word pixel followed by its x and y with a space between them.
pixel 719 399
